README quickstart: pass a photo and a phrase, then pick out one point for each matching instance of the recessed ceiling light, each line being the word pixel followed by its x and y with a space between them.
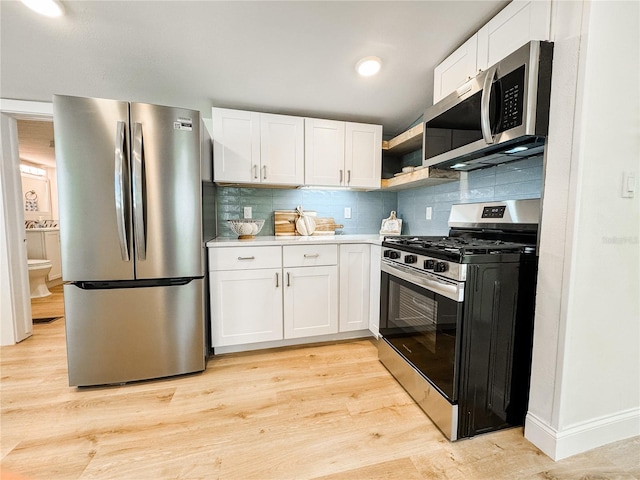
pixel 368 66
pixel 49 8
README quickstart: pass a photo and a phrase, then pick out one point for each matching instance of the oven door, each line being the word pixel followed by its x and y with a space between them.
pixel 420 316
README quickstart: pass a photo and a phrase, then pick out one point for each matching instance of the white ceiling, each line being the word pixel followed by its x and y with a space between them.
pixel 294 57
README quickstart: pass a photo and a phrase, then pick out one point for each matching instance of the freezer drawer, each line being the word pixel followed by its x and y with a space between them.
pixel 126 334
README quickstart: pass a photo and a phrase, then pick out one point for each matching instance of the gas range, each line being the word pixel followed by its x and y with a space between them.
pixel 456 316
pixel 448 256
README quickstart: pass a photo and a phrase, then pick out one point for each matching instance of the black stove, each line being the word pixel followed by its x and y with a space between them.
pixel 456 249
pixel 456 316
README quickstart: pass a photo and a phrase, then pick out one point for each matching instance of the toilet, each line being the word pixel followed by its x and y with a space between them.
pixel 38 271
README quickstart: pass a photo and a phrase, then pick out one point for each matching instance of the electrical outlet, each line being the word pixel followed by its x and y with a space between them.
pixel 347 212
pixel 428 213
pixel 247 212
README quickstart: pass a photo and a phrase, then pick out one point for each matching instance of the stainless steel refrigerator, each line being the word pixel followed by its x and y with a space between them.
pixel 130 203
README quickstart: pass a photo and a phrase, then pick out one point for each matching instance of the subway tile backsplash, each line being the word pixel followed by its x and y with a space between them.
pixel 367 208
pixel 520 179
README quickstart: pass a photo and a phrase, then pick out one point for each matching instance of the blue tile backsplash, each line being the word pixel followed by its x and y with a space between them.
pixel 367 208
pixel 520 179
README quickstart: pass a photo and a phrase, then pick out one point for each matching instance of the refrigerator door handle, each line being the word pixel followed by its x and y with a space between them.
pixel 138 198
pixel 120 190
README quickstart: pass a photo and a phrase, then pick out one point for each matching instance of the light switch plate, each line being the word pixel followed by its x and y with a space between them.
pixel 347 212
pixel 247 212
pixel 629 184
pixel 429 212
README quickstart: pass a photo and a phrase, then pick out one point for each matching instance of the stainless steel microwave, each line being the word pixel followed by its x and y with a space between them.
pixel 500 115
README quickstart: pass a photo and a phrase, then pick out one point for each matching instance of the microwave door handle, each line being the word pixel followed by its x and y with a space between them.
pixel 120 190
pixel 485 121
pixel 138 194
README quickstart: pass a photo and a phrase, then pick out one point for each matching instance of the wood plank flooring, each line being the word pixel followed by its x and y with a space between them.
pixel 51 306
pixel 315 412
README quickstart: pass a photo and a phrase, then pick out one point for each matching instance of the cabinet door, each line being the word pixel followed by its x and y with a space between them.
pixel 236 146
pixel 516 24
pixel 52 247
pixel 456 69
pixel 281 149
pixel 363 155
pixel 374 290
pixel 310 301
pixel 246 306
pixel 324 152
pixel 354 287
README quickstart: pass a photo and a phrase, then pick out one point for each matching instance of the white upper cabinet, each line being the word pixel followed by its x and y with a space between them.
pixel 236 145
pixel 456 69
pixel 516 24
pixel 324 152
pixel 252 147
pixel 342 154
pixel 363 155
pixel 281 149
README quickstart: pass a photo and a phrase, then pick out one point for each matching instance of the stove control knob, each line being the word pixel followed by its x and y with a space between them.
pixel 386 253
pixel 429 264
pixel 440 267
pixel 410 259
pixel 392 254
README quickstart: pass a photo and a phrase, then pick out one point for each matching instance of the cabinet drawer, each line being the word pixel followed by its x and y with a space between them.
pixel 310 255
pixel 244 258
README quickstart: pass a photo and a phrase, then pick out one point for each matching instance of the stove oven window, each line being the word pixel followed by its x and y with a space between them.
pixel 423 327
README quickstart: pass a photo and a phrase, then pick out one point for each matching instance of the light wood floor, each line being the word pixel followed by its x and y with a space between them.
pixel 319 412
pixel 51 306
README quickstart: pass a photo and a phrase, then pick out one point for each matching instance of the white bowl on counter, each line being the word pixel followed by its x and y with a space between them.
pixel 245 227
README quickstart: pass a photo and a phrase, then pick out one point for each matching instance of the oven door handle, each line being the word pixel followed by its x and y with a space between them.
pixel 450 289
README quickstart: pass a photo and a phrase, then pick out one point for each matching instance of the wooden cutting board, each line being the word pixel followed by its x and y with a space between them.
pixel 285 221
pixel 326 226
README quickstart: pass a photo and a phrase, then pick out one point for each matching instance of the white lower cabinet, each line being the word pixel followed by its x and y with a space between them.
pixel 355 277
pixel 246 306
pixel 310 301
pixel 246 295
pixel 311 290
pixel 277 293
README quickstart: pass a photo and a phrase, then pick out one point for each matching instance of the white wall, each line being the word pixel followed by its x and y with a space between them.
pixel 585 386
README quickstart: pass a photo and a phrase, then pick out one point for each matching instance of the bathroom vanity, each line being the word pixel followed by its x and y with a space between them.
pixel 44 243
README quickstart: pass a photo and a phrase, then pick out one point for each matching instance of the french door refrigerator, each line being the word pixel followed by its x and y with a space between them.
pixel 131 237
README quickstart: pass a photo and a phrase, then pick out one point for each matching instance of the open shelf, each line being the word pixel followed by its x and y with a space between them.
pixel 420 178
pixel 407 141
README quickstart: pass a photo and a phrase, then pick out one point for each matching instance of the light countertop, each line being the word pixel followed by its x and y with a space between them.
pixel 373 239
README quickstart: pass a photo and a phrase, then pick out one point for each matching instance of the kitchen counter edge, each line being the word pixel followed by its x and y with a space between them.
pixel 373 239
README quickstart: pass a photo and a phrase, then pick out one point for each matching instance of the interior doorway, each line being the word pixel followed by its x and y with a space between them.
pixel 15 319
pixel 36 147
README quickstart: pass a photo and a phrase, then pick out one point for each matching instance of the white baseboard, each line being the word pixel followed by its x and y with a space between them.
pixel 559 444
